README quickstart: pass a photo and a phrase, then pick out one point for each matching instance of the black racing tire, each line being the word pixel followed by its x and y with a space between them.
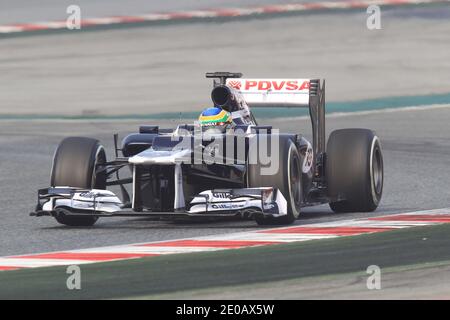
pixel 287 179
pixel 354 170
pixel 74 165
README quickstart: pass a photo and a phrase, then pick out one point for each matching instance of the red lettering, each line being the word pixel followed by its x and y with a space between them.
pixel 278 86
pixel 249 84
pixel 291 85
pixel 304 86
pixel 264 85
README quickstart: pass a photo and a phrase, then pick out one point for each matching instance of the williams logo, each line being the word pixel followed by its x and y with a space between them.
pixel 222 195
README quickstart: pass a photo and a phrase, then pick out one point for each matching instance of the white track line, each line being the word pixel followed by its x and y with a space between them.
pixel 146 250
pixel 36 263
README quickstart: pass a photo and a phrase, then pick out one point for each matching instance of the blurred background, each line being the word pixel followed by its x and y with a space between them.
pixel 159 67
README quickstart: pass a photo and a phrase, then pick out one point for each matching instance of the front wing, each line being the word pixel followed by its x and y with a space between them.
pixel 267 201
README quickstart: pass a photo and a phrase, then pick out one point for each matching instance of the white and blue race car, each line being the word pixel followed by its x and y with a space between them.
pixel 225 166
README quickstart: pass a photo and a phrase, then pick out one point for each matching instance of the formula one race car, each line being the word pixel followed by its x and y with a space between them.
pixel 223 165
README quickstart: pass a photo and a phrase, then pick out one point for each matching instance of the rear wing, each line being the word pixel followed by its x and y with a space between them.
pixel 276 93
pixel 272 92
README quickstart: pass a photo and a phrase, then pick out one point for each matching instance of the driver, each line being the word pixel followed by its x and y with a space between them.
pixel 215 118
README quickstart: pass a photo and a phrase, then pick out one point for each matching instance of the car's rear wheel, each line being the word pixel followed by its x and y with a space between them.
pixel 354 170
pixel 77 163
pixel 286 178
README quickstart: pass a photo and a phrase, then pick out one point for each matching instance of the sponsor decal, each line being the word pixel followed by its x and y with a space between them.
pixel 269 85
pixel 228 206
pixel 236 84
pixel 308 161
pixel 89 195
pixel 222 195
pixel 269 206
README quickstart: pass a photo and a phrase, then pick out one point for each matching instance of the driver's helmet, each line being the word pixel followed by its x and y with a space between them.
pixel 215 118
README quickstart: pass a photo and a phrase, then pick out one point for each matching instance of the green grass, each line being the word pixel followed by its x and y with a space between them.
pixel 275 288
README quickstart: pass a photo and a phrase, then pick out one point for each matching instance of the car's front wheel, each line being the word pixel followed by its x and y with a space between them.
pixel 285 175
pixel 77 163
